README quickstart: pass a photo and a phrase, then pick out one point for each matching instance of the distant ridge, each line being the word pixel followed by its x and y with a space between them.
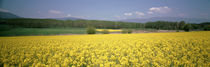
pixel 173 19
pixel 8 15
pixel 68 18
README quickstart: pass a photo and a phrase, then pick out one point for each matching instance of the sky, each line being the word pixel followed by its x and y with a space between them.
pixel 107 9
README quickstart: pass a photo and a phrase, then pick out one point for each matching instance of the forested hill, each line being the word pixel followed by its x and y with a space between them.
pixel 8 15
pixel 52 23
pixel 48 23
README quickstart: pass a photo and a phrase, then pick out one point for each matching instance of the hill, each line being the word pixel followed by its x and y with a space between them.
pixel 68 18
pixel 8 15
pixel 173 19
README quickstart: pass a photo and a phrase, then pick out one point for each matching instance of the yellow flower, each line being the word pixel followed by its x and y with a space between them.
pixel 114 50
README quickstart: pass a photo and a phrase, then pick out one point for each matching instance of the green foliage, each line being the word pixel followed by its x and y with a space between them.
pixel 5 27
pixel 105 31
pixel 187 27
pixel 177 30
pixel 129 31
pixel 91 30
pixel 207 28
pixel 181 25
pixel 161 25
pixel 42 31
pixel 124 31
pixel 51 23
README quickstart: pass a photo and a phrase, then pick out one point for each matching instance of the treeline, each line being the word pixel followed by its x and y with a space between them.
pixel 182 25
pixel 52 23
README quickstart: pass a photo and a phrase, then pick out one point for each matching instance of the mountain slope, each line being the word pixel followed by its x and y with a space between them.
pixel 174 19
pixel 68 18
pixel 8 15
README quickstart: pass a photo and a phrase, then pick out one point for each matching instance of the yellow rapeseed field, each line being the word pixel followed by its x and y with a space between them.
pixel 107 50
pixel 110 30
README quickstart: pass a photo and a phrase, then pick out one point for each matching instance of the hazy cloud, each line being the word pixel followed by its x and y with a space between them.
pixel 4 10
pixel 139 13
pixel 69 15
pixel 128 14
pixel 54 11
pixel 118 17
pixel 38 11
pixel 182 15
pixel 78 16
pixel 149 12
pixel 164 9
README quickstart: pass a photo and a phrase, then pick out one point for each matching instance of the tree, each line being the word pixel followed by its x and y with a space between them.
pixel 129 31
pixel 187 27
pixel 181 25
pixel 91 30
pixel 207 28
pixel 105 31
pixel 124 31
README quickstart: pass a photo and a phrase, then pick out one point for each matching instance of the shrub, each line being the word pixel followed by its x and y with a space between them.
pixel 126 31
pixel 187 28
pixel 206 28
pixel 129 31
pixel 91 30
pixel 105 31
pixel 177 30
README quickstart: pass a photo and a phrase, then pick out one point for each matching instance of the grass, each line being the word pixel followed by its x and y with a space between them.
pixel 42 31
pixel 4 31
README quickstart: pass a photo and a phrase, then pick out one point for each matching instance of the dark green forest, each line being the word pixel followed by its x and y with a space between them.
pixel 52 23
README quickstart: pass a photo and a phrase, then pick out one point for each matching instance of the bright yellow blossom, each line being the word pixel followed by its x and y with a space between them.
pixel 110 50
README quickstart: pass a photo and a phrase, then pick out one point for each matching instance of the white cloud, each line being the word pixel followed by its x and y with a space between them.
pixel 69 15
pixel 139 13
pixel 4 10
pixel 150 12
pixel 128 14
pixel 164 9
pixel 54 11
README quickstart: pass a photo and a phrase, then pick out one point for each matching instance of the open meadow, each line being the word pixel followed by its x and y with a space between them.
pixel 41 31
pixel 107 50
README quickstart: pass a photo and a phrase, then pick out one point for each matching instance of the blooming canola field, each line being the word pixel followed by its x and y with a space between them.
pixel 107 50
pixel 110 30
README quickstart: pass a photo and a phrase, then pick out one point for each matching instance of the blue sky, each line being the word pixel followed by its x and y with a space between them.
pixel 107 9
